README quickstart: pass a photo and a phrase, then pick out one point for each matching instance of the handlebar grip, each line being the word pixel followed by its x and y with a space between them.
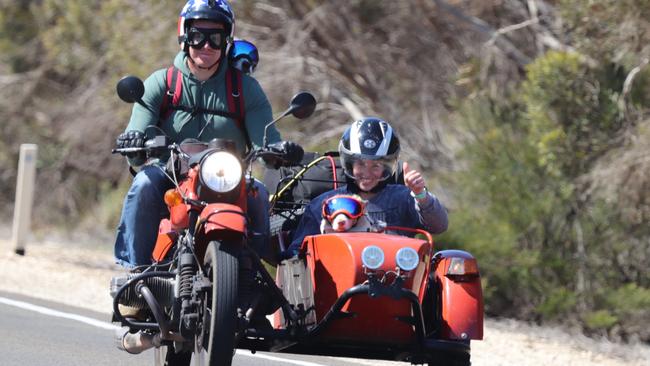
pixel 126 150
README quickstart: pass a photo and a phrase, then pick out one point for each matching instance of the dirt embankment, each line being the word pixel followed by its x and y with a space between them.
pixel 74 275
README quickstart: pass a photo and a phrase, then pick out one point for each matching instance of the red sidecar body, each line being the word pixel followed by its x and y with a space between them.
pixel 423 312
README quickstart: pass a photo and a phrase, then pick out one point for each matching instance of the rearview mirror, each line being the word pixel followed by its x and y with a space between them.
pixel 302 105
pixel 130 89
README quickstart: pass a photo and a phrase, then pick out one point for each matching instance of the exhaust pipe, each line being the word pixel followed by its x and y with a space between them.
pixel 135 343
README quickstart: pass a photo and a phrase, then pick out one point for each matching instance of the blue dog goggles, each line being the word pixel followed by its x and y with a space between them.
pixel 350 206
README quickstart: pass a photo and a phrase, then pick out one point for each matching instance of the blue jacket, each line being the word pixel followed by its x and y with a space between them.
pixel 393 204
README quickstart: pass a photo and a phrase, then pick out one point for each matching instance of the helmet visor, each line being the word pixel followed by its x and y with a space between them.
pixel 380 168
pixel 246 49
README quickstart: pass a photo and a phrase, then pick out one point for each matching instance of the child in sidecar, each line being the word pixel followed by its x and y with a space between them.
pixel 369 150
pixel 377 295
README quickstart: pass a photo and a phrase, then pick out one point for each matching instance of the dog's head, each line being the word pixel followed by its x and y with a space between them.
pixel 341 223
pixel 343 211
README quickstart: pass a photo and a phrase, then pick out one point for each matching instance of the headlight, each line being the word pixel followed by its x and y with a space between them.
pixel 221 171
pixel 407 259
pixel 372 257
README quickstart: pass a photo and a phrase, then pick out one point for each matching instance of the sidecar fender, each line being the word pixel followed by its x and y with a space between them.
pixel 461 296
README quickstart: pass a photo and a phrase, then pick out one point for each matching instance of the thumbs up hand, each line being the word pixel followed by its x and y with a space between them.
pixel 413 179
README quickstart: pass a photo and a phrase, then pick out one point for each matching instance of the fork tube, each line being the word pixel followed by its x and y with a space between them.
pixel 193 218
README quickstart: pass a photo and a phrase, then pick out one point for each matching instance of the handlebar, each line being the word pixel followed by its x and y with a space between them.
pixel 265 152
pixel 126 150
pixel 154 144
pixel 412 230
pixel 161 143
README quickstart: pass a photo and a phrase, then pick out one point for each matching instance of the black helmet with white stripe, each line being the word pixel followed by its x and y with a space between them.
pixel 369 138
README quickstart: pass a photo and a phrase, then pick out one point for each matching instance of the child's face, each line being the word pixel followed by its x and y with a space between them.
pixel 367 173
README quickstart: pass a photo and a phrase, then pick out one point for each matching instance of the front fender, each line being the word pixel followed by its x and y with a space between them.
pixel 461 297
pixel 223 217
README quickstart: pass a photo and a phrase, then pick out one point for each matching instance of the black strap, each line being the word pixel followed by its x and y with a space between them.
pixel 236 101
pixel 172 86
pixel 195 111
pixel 233 94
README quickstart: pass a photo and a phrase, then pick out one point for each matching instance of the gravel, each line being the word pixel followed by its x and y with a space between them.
pixel 75 275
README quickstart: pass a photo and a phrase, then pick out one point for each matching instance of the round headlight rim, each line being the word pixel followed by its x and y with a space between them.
pixel 212 154
pixel 378 250
pixel 398 259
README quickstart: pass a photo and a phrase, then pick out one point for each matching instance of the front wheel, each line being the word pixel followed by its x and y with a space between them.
pixel 165 356
pixel 215 343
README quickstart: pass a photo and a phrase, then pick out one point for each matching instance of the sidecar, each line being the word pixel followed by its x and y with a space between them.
pixel 377 296
pixel 371 295
pixel 382 296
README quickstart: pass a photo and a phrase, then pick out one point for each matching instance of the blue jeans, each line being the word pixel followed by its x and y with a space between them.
pixel 144 207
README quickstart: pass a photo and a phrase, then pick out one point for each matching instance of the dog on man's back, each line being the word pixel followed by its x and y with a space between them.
pixel 347 213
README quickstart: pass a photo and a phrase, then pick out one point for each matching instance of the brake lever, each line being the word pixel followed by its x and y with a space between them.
pixel 254 154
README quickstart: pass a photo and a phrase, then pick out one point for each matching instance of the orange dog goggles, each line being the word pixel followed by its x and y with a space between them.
pixel 347 205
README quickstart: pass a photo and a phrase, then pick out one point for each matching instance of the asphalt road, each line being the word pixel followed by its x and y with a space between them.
pixel 31 338
pixel 36 333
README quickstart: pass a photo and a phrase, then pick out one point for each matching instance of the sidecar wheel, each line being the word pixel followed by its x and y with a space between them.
pixel 221 263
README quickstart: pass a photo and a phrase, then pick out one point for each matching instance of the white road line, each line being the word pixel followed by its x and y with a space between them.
pixel 360 361
pixel 277 359
pixel 109 326
pixel 58 314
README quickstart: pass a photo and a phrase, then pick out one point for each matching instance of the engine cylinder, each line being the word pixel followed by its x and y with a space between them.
pixel 162 289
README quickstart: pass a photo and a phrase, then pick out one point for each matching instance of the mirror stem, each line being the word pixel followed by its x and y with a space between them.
pixel 142 103
pixel 284 114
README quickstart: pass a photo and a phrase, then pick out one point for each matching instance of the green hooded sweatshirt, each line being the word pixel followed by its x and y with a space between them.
pixel 209 94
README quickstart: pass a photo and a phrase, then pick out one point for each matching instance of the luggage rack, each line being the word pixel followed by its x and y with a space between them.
pixel 284 220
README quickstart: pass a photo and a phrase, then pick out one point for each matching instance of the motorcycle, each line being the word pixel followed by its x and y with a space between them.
pixel 199 293
pixel 375 295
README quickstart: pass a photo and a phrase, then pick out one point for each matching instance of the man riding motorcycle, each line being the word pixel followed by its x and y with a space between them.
pixel 201 111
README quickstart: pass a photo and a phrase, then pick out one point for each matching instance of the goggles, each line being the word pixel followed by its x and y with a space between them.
pixel 196 37
pixel 349 206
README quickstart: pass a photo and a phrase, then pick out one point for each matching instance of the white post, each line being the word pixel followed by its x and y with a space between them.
pixel 24 196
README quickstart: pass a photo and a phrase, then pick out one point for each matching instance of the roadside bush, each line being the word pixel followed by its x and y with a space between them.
pixel 546 240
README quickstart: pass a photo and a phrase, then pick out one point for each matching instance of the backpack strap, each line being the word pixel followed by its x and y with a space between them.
pixel 236 101
pixel 172 96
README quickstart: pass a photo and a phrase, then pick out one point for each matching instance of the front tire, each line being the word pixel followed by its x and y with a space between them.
pixel 165 356
pixel 217 341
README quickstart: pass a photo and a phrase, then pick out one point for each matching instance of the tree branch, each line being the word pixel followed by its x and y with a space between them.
pixel 480 25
